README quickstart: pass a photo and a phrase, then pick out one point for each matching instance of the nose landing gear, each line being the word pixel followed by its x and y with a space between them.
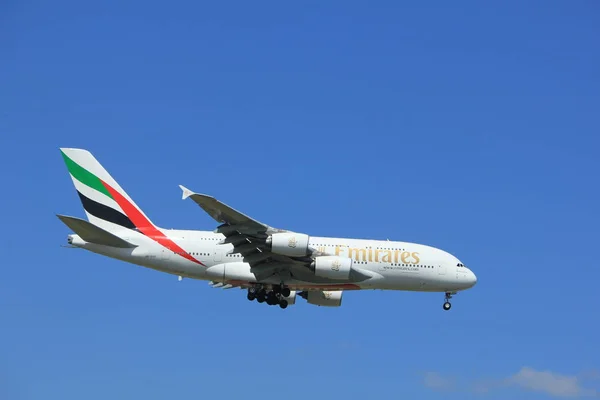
pixel 447 298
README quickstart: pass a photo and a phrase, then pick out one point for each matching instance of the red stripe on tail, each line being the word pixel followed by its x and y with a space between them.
pixel 145 226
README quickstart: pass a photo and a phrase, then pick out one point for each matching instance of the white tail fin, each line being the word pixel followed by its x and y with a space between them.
pixel 106 204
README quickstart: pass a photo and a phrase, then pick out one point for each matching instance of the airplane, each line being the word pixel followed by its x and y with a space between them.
pixel 275 266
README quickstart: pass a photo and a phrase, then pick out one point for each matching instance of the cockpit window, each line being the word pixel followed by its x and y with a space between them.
pixel 459 265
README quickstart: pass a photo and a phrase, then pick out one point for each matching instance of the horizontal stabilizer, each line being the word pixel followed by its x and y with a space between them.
pixel 93 234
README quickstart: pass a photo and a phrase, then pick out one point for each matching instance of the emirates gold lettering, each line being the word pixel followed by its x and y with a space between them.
pixel 415 255
pixel 357 254
pixel 387 257
pixel 404 257
pixel 377 255
pixel 396 256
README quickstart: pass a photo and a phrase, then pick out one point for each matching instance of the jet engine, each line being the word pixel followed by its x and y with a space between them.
pixel 332 267
pixel 291 299
pixel 325 298
pixel 289 244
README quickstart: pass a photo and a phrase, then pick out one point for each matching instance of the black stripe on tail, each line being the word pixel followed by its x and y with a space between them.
pixel 106 213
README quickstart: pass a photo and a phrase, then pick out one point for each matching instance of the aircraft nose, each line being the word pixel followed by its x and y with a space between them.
pixel 471 279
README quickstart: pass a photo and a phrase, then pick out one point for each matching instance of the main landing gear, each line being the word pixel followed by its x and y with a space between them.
pixel 447 304
pixel 272 297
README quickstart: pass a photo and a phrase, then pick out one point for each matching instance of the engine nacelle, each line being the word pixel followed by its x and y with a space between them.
pixel 332 267
pixel 325 298
pixel 291 299
pixel 289 244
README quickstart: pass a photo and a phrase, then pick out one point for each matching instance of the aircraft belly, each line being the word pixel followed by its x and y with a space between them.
pixel 150 258
pixel 396 279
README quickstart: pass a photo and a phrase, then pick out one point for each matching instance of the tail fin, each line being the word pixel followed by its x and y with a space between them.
pixel 105 203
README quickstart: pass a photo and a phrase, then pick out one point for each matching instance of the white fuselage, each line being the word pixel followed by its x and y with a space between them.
pixel 382 264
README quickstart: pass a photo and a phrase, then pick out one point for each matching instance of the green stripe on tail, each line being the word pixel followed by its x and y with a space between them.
pixel 84 176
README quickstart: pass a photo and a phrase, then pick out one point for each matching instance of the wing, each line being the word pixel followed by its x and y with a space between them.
pixel 224 214
pixel 247 235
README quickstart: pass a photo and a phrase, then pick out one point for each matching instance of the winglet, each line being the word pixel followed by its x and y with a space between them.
pixel 186 192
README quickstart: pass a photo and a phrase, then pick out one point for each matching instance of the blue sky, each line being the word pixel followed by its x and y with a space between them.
pixel 468 128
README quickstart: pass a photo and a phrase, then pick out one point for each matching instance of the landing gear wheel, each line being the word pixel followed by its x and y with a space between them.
pixel 251 296
pixel 272 299
pixel 285 292
pixel 283 304
pixel 260 297
pixel 447 298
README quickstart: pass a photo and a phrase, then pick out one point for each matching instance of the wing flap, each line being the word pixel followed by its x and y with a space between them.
pixel 93 234
pixel 222 285
pixel 255 258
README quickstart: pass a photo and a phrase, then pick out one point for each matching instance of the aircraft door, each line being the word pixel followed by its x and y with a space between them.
pixel 441 269
pixel 217 256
